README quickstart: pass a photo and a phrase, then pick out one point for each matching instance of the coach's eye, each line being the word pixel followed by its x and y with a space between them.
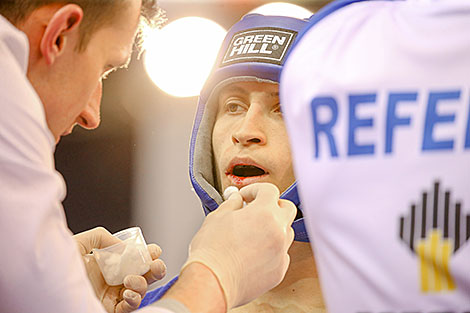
pixel 107 73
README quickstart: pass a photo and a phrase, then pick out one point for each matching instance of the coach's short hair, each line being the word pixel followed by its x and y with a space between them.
pixel 97 13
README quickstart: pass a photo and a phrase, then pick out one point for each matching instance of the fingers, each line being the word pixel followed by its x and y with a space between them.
pixel 136 283
pixel 157 271
pixel 157 267
pixel 286 264
pixel 268 196
pixel 154 250
pixel 263 192
pixel 136 287
pixel 288 211
pixel 283 210
pixel 290 238
pixel 131 301
pixel 286 216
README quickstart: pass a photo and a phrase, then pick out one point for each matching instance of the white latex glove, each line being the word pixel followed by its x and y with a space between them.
pixel 246 247
pixel 123 298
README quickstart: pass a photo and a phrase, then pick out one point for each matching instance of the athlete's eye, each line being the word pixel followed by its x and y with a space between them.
pixel 234 106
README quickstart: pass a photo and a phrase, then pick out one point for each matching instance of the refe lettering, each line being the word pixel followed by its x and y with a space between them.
pixel 432 119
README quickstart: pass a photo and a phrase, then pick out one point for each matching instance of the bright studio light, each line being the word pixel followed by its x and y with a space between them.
pixel 283 9
pixel 180 56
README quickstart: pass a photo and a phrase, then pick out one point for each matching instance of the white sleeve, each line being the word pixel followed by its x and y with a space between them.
pixel 41 269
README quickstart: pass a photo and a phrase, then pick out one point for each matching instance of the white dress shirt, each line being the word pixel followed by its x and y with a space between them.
pixel 41 269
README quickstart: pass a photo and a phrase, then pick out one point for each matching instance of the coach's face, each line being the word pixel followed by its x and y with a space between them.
pixel 68 81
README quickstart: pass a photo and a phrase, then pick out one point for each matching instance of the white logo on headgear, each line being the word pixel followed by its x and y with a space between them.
pixel 259 45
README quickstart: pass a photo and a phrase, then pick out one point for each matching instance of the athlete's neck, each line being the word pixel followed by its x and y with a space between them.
pixel 298 292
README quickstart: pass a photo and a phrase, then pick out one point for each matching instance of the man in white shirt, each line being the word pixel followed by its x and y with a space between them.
pixel 53 55
pixel 376 100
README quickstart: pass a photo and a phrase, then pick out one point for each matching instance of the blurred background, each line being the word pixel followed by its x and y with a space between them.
pixel 133 170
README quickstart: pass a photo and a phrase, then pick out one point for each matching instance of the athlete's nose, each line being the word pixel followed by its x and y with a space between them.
pixel 251 129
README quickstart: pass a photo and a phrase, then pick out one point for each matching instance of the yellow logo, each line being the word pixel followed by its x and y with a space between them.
pixel 434 257
pixel 434 230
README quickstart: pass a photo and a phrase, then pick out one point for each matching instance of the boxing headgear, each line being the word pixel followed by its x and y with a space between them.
pixel 254 49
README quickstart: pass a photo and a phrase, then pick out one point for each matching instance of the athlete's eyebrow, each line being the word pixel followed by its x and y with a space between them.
pixel 243 91
pixel 235 89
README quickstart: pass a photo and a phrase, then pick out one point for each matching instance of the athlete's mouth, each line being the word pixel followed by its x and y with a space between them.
pixel 243 170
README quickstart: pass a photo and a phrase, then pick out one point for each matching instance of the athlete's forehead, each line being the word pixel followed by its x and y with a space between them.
pixel 245 88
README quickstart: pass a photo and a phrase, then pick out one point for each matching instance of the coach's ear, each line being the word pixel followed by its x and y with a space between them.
pixel 63 25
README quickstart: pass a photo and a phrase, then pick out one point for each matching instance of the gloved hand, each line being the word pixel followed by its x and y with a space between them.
pixel 124 298
pixel 246 247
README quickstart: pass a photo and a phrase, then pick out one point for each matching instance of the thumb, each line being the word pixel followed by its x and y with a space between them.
pixel 262 192
pixel 95 276
pixel 234 202
pixel 131 301
pixel 97 237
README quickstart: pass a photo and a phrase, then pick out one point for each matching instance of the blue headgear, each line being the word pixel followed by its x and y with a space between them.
pixel 254 49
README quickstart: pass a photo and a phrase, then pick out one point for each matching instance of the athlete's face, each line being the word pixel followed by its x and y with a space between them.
pixel 249 138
